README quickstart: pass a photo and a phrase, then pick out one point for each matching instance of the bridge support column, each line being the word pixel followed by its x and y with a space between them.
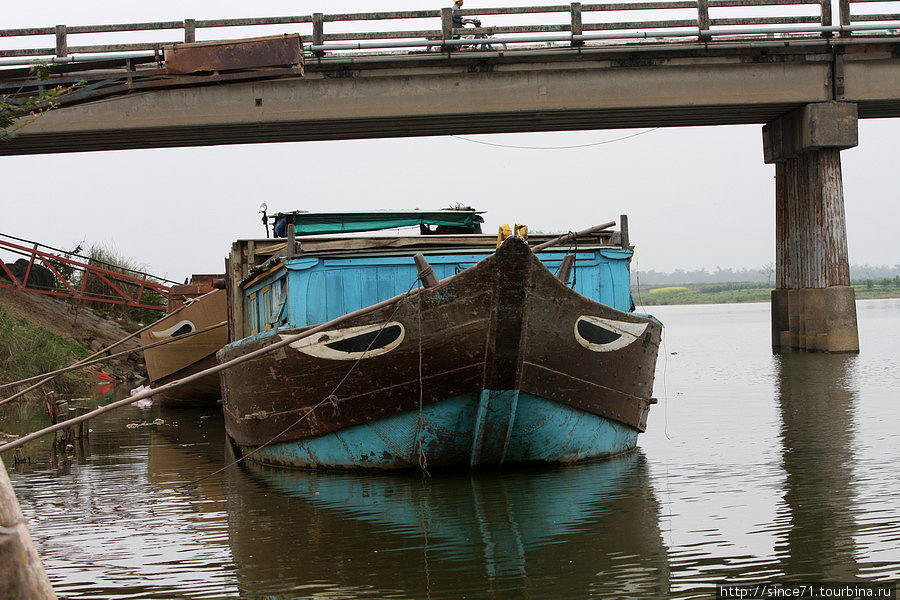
pixel 813 305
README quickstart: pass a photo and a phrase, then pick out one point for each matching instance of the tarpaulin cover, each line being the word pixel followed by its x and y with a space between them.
pixel 336 222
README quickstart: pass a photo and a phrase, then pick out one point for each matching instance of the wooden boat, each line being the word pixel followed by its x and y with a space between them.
pixel 168 362
pixel 499 362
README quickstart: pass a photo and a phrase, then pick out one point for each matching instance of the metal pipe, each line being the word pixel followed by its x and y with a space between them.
pixel 504 40
pixel 5 62
pixel 651 34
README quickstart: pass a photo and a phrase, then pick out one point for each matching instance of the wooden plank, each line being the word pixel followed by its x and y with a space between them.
pixel 62 47
pixel 21 572
pixel 766 21
pixel 739 3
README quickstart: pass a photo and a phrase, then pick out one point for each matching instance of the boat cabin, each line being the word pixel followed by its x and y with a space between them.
pixel 317 272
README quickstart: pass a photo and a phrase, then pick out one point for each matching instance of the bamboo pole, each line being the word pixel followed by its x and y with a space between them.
pixel 569 237
pixel 286 340
pixel 96 354
pixel 83 364
pixel 22 575
pixel 191 378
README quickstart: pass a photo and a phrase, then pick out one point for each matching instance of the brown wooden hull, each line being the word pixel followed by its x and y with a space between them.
pixel 505 324
pixel 206 391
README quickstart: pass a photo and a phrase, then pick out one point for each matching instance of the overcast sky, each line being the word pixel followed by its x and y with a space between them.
pixel 696 197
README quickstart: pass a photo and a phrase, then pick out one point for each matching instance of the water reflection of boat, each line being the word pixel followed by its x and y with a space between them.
pixel 576 531
pixel 499 362
pixel 178 359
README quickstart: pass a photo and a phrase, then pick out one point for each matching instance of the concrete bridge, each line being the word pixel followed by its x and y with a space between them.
pixel 805 75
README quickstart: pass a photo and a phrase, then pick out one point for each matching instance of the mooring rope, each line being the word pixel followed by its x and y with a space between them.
pixel 286 340
pixel 102 351
pixel 88 363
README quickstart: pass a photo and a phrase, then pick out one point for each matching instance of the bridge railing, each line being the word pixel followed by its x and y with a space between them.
pixel 870 12
pixel 574 22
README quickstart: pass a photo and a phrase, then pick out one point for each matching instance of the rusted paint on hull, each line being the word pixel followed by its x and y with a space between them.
pixel 457 432
pixel 505 324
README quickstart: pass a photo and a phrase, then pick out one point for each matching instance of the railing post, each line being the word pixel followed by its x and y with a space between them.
pixel 446 24
pixel 62 46
pixel 826 16
pixel 577 27
pixel 318 23
pixel 190 31
pixel 844 6
pixel 703 20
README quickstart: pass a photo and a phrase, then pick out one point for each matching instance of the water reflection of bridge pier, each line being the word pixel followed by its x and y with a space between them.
pixel 817 434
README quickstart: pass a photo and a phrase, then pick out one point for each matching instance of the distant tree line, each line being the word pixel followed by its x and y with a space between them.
pixel 764 274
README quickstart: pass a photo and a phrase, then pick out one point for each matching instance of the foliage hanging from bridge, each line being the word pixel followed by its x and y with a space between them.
pixel 17 111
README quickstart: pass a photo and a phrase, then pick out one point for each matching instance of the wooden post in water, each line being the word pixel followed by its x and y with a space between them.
pixel 22 575
pixel 813 305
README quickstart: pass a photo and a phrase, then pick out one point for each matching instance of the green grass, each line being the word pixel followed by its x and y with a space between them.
pixel 27 350
pixel 729 293
pixel 684 295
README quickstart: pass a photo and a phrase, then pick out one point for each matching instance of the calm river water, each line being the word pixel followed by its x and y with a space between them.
pixel 754 468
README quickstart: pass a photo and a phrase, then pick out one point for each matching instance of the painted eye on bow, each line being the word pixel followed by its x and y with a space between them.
pixel 604 335
pixel 179 328
pixel 353 343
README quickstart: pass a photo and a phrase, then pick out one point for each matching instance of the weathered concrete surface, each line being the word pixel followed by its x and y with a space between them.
pixel 811 127
pixel 813 306
pixel 435 95
pixel 815 319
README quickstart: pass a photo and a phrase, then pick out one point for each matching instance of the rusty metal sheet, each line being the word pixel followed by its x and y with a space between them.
pixel 229 55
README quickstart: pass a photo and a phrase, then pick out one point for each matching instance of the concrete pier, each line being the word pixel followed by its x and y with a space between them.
pixel 813 305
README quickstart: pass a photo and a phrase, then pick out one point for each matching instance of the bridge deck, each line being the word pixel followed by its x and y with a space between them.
pixel 704 70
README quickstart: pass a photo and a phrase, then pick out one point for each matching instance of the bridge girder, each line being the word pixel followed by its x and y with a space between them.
pixel 345 98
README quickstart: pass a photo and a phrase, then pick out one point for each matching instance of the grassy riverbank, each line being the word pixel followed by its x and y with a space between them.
pixel 729 293
pixel 27 350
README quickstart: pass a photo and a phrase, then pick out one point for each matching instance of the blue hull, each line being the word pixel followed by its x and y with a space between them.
pixel 465 431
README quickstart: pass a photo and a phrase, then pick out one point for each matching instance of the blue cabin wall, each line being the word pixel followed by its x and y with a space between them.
pixel 320 289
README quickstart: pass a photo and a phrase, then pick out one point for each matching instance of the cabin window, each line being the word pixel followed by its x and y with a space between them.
pixel 265 305
pixel 278 298
pixel 253 314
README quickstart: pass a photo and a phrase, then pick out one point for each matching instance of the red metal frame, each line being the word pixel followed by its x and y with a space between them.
pixel 143 284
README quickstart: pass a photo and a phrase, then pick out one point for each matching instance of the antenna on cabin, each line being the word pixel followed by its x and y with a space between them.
pixel 265 218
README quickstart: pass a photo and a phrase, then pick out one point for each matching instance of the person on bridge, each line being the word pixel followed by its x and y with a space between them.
pixel 457 19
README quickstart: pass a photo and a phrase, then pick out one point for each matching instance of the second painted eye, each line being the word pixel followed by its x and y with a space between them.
pixel 179 328
pixel 604 335
pixel 368 341
pixel 352 343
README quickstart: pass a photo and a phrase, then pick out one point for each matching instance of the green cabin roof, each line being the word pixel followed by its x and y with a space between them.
pixel 344 222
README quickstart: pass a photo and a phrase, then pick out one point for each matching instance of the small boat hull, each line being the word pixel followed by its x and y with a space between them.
pixel 464 430
pixel 202 392
pixel 180 358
